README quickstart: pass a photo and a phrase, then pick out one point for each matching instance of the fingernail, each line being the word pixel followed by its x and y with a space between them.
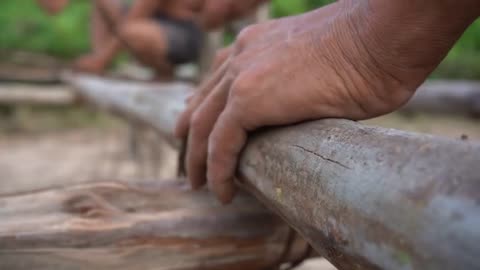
pixel 225 192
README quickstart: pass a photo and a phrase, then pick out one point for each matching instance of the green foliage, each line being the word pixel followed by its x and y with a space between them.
pixel 463 61
pixel 24 26
pixel 281 8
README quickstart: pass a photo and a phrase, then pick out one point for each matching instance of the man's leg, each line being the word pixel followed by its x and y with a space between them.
pixel 103 40
pixel 147 41
pixel 101 27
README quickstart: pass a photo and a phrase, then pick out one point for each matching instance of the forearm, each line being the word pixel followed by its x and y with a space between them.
pixel 409 38
pixel 114 20
pixel 109 10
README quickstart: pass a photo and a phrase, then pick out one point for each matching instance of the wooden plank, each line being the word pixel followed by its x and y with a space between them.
pixel 154 104
pixel 447 97
pixel 23 66
pixel 25 94
pixel 28 72
pixel 364 197
pixel 149 225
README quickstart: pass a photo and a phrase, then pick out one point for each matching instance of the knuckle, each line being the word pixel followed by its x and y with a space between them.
pixel 221 56
pixel 246 34
pixel 196 121
pixel 213 142
pixel 243 85
pixel 185 117
pixel 216 146
pixel 214 158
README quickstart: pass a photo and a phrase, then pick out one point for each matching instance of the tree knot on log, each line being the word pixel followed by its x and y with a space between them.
pixel 90 205
pixel 322 157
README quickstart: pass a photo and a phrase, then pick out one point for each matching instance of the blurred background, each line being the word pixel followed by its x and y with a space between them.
pixel 83 144
pixel 23 26
pixel 34 46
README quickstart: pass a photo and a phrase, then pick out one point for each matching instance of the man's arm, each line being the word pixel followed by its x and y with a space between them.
pixel 53 7
pixel 110 10
pixel 410 38
pixel 139 9
pixel 112 17
pixel 353 59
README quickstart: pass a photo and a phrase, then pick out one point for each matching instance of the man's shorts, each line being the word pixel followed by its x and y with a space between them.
pixel 185 39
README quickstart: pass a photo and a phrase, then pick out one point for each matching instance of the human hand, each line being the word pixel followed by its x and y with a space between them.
pixel 323 64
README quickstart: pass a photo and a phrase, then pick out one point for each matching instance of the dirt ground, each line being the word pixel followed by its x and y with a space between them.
pixel 50 158
pixel 76 156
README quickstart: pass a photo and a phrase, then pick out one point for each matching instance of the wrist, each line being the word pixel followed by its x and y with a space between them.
pixel 350 58
pixel 409 38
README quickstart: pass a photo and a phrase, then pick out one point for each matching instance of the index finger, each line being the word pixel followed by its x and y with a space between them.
pixel 183 122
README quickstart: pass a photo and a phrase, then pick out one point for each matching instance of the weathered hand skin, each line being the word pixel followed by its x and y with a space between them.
pixel 351 59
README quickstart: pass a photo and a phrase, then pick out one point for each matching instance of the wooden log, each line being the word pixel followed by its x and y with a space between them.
pixel 446 97
pixel 25 94
pixel 364 197
pixel 372 198
pixel 154 104
pixel 22 67
pixel 22 74
pixel 152 225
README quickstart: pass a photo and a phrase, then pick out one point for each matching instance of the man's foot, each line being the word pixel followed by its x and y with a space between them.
pixel 164 77
pixel 163 72
pixel 90 64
